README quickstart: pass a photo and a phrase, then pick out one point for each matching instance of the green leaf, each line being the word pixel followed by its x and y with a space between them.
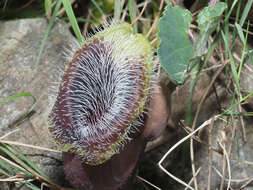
pixel 48 5
pixel 13 162
pixel 72 19
pixel 117 9
pixel 245 12
pixel 210 15
pixel 208 20
pixel 7 169
pixel 175 49
pixel 132 13
pixel 49 27
pixel 18 95
pixel 27 161
pixel 12 165
pixel 232 64
pixel 240 32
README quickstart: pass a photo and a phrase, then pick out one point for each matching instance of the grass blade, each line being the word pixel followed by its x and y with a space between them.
pixel 188 117
pixel 98 7
pixel 48 5
pixel 117 9
pixel 245 12
pixel 49 27
pixel 27 161
pixel 16 159
pixel 18 95
pixel 72 19
pixel 230 11
pixel 240 32
pixel 132 13
pixel 7 169
pixel 244 50
pixel 232 64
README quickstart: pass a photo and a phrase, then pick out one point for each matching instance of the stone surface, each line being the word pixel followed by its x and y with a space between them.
pixel 246 84
pixel 20 42
pixel 241 154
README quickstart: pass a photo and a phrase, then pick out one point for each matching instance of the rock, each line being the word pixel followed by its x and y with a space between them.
pixel 241 154
pixel 246 85
pixel 246 76
pixel 180 99
pixel 20 42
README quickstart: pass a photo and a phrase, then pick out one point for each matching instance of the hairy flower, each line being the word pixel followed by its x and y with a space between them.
pixel 103 94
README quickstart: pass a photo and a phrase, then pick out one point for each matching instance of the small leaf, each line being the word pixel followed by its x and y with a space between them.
pixel 175 49
pixel 246 11
pixel 208 20
pixel 240 32
pixel 210 14
pixel 18 95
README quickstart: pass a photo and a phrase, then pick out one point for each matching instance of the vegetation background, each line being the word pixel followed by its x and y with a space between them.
pixel 211 31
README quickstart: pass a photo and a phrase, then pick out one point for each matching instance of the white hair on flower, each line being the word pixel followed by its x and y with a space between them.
pixel 102 95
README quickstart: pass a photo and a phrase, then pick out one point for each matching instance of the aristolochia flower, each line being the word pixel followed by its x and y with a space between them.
pixel 102 94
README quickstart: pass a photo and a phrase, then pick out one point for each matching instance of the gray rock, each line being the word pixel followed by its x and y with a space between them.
pixel 246 84
pixel 241 155
pixel 180 99
pixel 20 42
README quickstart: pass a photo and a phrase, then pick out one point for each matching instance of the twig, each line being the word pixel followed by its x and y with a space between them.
pixel 223 171
pixel 244 137
pixel 142 11
pixel 240 107
pixel 206 123
pixel 25 5
pixel 232 180
pixel 8 134
pixel 152 185
pixel 196 117
pixel 243 161
pixel 196 138
pixel 244 185
pixel 244 30
pixel 228 165
pixel 12 163
pixel 123 15
pixel 62 10
pixel 173 2
pixel 12 179
pixel 240 60
pixel 86 25
pixel 29 146
pixel 193 164
pixel 197 172
pixel 210 134
pixel 156 19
